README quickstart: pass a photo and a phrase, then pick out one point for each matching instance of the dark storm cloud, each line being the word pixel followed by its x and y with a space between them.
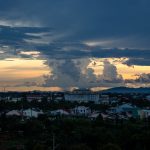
pixel 136 56
pixel 88 18
pixel 12 35
pixel 29 38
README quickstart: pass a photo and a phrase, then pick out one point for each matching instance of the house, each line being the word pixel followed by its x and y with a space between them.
pixel 13 113
pixel 15 99
pixel 5 98
pixel 58 96
pixel 104 116
pixel 148 97
pixel 29 113
pixel 122 108
pixel 59 112
pixel 127 108
pixel 37 98
pixel 94 115
pixel 113 100
pixel 104 99
pixel 81 111
pixel 144 113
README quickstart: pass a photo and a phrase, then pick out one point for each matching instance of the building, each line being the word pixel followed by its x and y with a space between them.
pixel 144 114
pixel 37 98
pixel 148 97
pixel 94 115
pixel 82 95
pixel 13 113
pixel 59 112
pixel 122 108
pixel 29 113
pixel 58 96
pixel 128 109
pixel 15 99
pixel 81 111
pixel 104 99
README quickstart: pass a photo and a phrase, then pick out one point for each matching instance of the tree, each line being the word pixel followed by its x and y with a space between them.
pixel 38 147
pixel 110 146
pixel 79 147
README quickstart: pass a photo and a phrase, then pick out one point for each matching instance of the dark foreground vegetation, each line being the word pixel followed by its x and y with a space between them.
pixel 73 134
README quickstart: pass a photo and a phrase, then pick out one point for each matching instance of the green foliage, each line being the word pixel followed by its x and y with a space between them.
pixel 73 133
pixel 38 147
pixel 110 146
pixel 79 147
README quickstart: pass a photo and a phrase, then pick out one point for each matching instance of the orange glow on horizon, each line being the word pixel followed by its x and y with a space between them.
pixel 17 71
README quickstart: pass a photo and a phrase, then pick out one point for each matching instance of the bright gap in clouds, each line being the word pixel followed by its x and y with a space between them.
pixel 15 71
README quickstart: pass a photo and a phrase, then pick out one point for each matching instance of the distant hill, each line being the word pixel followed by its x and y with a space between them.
pixel 127 90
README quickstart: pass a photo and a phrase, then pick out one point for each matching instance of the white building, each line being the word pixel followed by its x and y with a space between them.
pixel 29 113
pixel 148 97
pixel 81 111
pixel 13 113
pixel 15 99
pixel 59 112
pixel 82 95
pixel 144 113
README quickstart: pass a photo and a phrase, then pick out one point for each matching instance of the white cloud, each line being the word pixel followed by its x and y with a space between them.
pixel 76 73
pixel 19 23
pixel 110 72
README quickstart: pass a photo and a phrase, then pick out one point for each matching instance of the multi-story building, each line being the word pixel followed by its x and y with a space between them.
pixel 82 95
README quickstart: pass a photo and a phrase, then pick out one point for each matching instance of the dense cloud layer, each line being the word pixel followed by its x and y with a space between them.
pixel 53 45
pixel 86 19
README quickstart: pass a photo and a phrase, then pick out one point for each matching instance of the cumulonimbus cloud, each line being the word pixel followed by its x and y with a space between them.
pixel 76 73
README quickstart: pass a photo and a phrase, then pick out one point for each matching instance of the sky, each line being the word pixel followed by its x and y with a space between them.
pixel 62 44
